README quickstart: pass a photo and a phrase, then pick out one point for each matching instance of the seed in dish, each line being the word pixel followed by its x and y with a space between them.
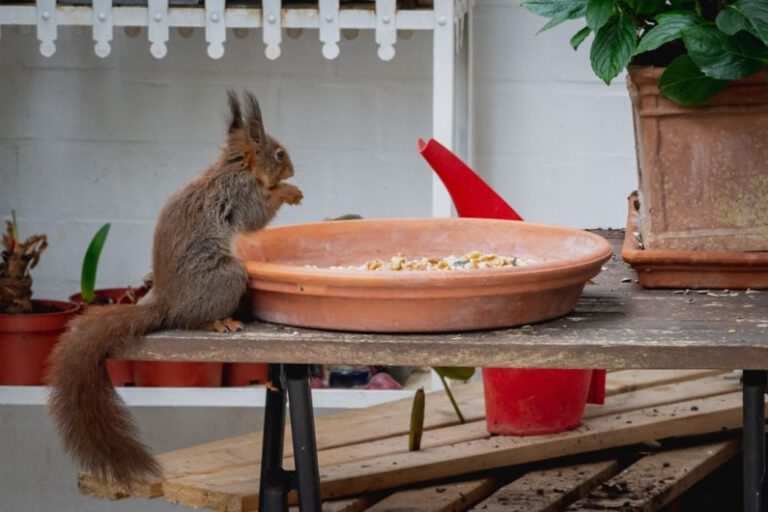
pixel 473 260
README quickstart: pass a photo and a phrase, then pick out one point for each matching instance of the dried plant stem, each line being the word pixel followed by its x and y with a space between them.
pixel 18 258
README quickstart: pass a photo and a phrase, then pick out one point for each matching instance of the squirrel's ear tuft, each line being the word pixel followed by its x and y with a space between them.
pixel 255 123
pixel 235 113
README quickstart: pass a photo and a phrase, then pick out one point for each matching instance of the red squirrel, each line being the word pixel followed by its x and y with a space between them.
pixel 198 283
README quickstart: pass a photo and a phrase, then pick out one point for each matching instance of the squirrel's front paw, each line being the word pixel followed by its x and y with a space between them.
pixel 291 194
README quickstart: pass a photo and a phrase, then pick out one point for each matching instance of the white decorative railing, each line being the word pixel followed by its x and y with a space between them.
pixel 328 17
pixel 451 63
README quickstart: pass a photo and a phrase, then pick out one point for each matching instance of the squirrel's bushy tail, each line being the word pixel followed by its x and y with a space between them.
pixel 91 419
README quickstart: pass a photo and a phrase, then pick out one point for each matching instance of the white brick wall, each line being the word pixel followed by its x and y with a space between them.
pixel 85 140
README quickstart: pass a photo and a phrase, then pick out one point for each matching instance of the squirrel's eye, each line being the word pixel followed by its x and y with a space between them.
pixel 280 155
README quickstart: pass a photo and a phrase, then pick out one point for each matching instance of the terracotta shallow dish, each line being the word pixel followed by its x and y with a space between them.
pixel 284 290
pixel 691 269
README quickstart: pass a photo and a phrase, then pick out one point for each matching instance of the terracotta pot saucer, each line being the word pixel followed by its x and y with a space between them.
pixel 691 269
pixel 291 282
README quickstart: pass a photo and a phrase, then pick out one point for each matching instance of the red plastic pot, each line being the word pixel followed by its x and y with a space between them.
pixel 244 374
pixel 26 341
pixel 525 402
pixel 120 371
pixel 177 374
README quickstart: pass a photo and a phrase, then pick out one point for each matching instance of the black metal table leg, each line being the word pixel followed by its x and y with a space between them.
pixel 303 433
pixel 275 481
pixel 754 388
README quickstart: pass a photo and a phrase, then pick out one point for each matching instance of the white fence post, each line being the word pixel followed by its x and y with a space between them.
pixel 157 27
pixel 330 28
pixel 46 26
pixel 102 27
pixel 443 95
pixel 215 28
pixel 386 28
pixel 272 22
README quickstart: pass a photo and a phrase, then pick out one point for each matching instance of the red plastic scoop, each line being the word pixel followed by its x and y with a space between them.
pixel 473 197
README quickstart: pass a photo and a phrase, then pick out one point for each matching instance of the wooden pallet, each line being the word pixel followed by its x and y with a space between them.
pixel 364 452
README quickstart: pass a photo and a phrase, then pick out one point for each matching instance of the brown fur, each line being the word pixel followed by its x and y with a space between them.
pixel 197 280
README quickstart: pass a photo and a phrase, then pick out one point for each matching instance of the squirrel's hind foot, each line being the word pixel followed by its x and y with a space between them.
pixel 225 325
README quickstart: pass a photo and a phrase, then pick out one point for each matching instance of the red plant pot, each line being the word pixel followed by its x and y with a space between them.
pixel 525 402
pixel 26 341
pixel 120 371
pixel 245 374
pixel 177 374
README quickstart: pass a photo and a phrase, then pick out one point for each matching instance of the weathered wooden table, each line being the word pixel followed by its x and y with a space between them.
pixel 615 325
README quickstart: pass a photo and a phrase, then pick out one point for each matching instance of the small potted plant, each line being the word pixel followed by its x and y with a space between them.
pixel 696 77
pixel 123 372
pixel 28 328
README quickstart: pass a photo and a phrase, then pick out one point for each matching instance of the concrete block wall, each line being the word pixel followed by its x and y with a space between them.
pixel 85 140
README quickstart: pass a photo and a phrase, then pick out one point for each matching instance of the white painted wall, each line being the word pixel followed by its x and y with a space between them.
pixel 85 140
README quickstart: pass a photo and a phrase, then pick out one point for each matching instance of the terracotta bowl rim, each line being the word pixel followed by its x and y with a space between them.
pixel 270 271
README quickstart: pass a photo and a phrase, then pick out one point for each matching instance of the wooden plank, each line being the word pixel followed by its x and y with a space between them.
pixel 632 380
pixel 205 490
pixel 656 480
pixel 687 418
pixel 350 427
pixel 453 497
pixel 615 325
pixel 199 490
pixel 391 419
pixel 663 392
pixel 549 490
pixel 347 505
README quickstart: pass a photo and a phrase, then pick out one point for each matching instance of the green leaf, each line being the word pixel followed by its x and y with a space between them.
pixel 455 372
pixel 731 21
pixel 551 24
pixel 579 37
pixel 599 12
pixel 684 82
pixel 669 27
pixel 750 15
pixel 613 46
pixel 91 264
pixel 645 6
pixel 719 55
pixel 417 421
pixel 558 9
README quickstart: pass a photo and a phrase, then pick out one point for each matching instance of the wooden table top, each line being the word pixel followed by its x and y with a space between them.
pixel 616 325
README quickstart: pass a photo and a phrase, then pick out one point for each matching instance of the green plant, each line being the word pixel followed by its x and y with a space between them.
pixel 91 264
pixel 417 421
pixel 417 409
pixel 454 373
pixel 702 43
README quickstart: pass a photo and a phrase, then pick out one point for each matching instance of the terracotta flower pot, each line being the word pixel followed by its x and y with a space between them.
pixel 26 341
pixel 244 374
pixel 120 370
pixel 177 374
pixel 703 170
